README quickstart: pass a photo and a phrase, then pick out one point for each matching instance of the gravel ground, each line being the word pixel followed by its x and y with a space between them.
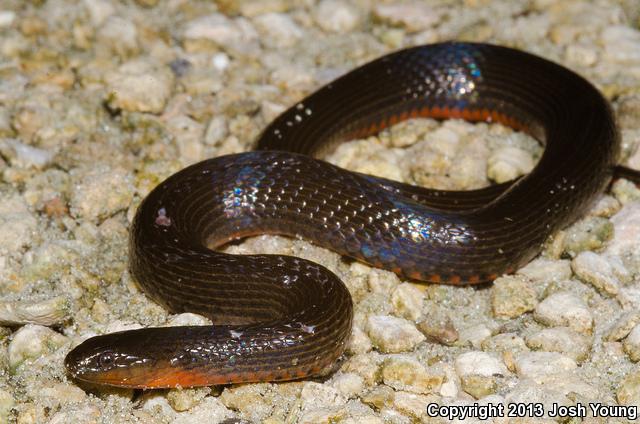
pixel 100 100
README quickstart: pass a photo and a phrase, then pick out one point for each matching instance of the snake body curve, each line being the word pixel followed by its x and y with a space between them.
pixel 279 317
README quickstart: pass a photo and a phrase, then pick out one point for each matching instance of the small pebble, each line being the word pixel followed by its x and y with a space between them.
pixel 216 131
pixel 504 342
pixel 478 386
pixel 565 309
pixel 407 301
pixel 474 335
pixel 45 312
pixel 543 270
pixel 412 404
pixel 7 402
pixel 508 163
pixel 278 30
pixel 348 384
pixel 378 397
pixel 366 365
pixel 336 16
pixel 512 296
pixel 393 335
pixel 319 395
pixel 632 344
pixel 623 326
pixel 629 390
pixel 622 44
pixel 120 35
pixel 6 18
pixel 479 363
pixel 185 399
pixel 406 373
pixel 219 29
pixel 590 233
pixel 563 340
pixel 359 342
pixel 139 86
pixel 528 391
pixel 625 191
pixel 210 409
pixel 606 207
pixel 99 10
pixel 437 326
pixel 626 234
pixel 101 192
pixel 61 394
pixel 539 365
pixel 25 156
pixel 413 15
pixel 581 54
pixel 603 273
pixel 17 224
pixel 87 413
pixel 32 341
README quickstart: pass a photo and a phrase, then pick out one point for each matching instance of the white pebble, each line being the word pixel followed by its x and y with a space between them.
pixel 336 16
pixel 621 43
pixel 507 163
pixel 101 192
pixel 320 395
pixel 216 131
pixel 119 325
pixel 208 410
pixel 547 270
pixel 139 86
pixel 217 28
pixel 407 301
pixel 632 344
pixel 45 312
pixel 119 34
pixel 479 363
pixel 32 341
pixel 6 18
pixel 87 413
pixel 563 340
pixel 623 325
pixel 17 224
pixel 392 335
pixel 597 271
pixel 187 318
pixel 220 61
pixel 539 365
pixel 414 15
pixel 626 234
pixel 564 309
pixel 26 156
pixel 403 372
pixel 278 30
pixel 629 297
pixel 348 384
pixel 359 342
pixel 99 10
pixel 474 335
pixel 581 54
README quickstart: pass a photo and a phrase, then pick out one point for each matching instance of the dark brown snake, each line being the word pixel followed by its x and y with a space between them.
pixel 280 317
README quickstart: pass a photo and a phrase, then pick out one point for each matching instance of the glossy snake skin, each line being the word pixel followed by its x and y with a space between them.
pixel 280 317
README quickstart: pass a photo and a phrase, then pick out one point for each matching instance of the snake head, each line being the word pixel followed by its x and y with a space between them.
pixel 116 359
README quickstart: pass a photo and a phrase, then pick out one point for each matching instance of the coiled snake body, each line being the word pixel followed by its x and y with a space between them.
pixel 279 317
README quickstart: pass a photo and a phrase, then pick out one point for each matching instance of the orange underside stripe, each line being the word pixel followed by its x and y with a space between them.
pixel 437 112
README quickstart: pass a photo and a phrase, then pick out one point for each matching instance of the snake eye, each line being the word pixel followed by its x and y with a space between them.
pixel 106 360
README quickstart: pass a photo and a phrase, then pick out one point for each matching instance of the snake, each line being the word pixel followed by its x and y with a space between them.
pixel 277 317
